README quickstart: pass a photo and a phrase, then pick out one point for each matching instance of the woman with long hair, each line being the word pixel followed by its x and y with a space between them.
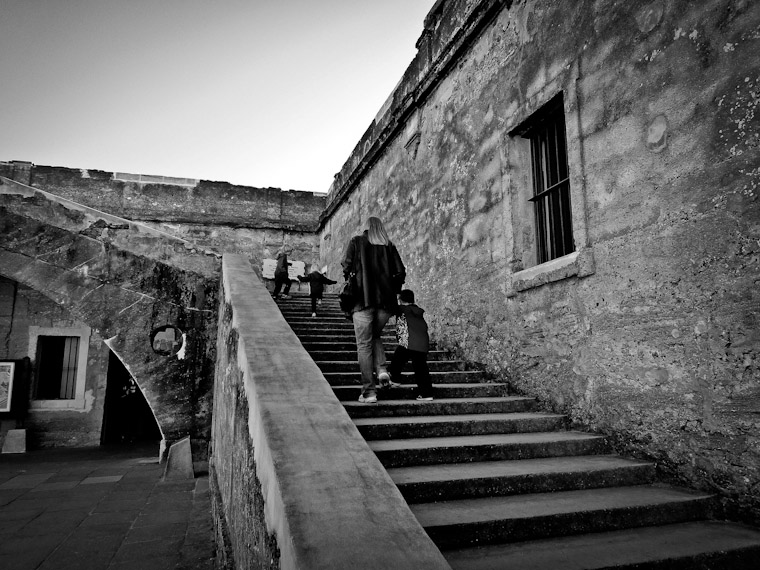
pixel 373 261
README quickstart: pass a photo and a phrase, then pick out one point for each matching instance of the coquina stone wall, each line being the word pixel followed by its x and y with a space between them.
pixel 219 216
pixel 63 266
pixel 650 331
pixel 22 308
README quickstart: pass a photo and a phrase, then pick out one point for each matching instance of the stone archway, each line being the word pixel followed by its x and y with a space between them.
pixel 123 281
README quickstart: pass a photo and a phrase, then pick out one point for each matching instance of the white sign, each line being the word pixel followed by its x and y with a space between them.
pixel 6 385
pixel 269 265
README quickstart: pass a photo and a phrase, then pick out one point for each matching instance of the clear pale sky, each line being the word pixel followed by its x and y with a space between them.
pixel 252 92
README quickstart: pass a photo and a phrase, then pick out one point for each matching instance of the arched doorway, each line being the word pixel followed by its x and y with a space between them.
pixel 127 417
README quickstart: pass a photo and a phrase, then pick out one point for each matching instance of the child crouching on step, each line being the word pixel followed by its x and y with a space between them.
pixel 413 344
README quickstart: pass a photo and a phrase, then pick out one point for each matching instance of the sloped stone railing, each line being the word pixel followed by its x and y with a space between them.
pixel 295 484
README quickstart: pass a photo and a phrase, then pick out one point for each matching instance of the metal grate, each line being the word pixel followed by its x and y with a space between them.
pixel 551 186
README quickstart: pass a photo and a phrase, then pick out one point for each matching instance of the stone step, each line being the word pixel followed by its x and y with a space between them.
pixel 304 310
pixel 351 356
pixel 345 337
pixel 323 318
pixel 515 518
pixel 409 391
pixel 353 366
pixel 492 447
pixel 342 345
pixel 428 483
pixel 322 321
pixel 456 425
pixel 482 470
pixel 329 320
pixel 341 338
pixel 682 546
pixel 442 406
pixel 452 376
pixel 297 302
pixel 326 329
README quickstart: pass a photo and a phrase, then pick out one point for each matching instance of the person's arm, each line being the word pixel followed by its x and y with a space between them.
pixel 327 281
pixel 348 258
pixel 398 271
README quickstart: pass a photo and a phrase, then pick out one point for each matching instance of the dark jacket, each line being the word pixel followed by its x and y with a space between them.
pixel 411 328
pixel 317 282
pixel 380 273
pixel 282 265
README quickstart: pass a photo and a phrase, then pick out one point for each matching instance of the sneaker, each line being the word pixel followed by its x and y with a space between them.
pixel 368 399
pixel 313 315
pixel 383 378
pixel 285 297
pixel 422 398
pixel 319 301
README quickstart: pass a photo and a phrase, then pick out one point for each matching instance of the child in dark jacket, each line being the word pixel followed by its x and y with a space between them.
pixel 413 343
pixel 281 273
pixel 317 281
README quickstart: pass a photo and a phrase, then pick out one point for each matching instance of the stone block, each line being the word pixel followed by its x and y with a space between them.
pixel 179 464
pixel 15 441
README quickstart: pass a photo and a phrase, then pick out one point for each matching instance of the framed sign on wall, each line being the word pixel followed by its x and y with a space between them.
pixel 6 385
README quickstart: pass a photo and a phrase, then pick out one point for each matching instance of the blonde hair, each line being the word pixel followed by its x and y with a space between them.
pixel 377 234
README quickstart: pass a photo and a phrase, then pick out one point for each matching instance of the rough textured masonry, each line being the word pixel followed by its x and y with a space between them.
pixel 71 270
pixel 216 215
pixel 296 485
pixel 650 329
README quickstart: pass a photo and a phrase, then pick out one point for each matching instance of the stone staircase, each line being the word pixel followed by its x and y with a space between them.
pixel 498 484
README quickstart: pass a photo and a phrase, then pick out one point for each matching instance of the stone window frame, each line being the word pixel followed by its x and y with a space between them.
pixel 78 402
pixel 526 273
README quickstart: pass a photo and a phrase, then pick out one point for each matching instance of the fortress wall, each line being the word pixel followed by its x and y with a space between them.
pixel 649 331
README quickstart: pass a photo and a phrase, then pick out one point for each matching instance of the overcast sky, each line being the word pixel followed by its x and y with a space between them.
pixel 252 92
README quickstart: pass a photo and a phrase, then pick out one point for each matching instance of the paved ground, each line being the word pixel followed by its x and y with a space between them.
pixel 101 508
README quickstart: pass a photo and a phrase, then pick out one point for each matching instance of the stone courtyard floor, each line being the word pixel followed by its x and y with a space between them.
pixel 101 508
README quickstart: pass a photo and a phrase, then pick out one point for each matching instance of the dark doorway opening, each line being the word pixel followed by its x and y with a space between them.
pixel 127 417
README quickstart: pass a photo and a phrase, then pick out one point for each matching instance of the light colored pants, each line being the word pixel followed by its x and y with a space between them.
pixel 368 327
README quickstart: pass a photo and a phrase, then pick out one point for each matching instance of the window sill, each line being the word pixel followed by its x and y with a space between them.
pixel 577 264
pixel 56 405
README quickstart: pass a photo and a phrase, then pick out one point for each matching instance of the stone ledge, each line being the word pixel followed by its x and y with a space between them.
pixel 327 499
pixel 577 264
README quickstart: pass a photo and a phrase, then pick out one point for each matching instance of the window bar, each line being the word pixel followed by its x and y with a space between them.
pixel 539 206
pixel 68 374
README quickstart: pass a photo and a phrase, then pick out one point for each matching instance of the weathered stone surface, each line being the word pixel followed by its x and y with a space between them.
pixel 122 294
pixel 217 216
pixel 179 462
pixel 655 338
pixel 274 417
pixel 15 441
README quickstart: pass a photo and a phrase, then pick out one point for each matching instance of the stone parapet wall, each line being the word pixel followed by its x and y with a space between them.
pixel 124 281
pixel 295 483
pixel 217 216
pixel 172 200
pixel 649 331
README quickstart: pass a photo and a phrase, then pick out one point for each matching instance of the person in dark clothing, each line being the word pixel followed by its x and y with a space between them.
pixel 281 273
pixel 373 261
pixel 413 344
pixel 317 281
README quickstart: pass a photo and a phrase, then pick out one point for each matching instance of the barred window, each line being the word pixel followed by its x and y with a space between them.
pixel 551 182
